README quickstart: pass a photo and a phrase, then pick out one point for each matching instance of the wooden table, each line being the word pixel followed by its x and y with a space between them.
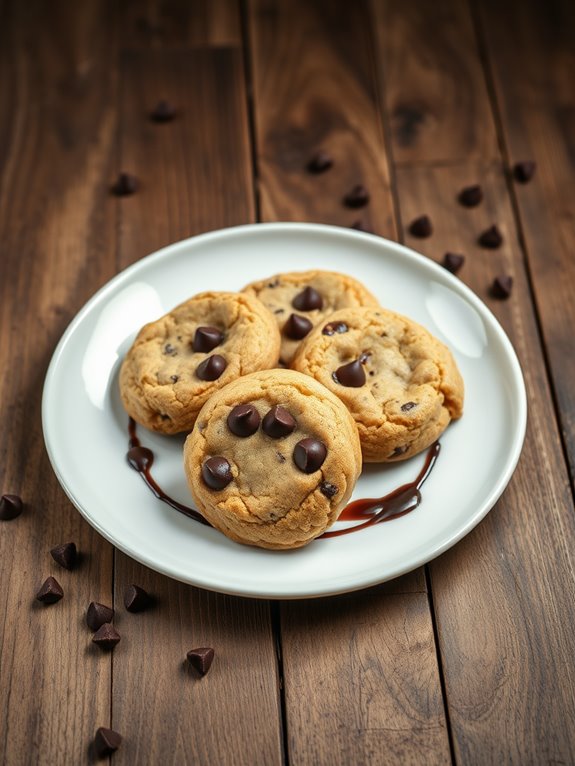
pixel 469 659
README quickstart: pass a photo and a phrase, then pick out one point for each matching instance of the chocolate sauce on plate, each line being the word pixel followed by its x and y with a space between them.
pixel 369 511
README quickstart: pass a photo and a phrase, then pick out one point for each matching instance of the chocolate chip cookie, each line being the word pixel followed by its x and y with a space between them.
pixel 400 383
pixel 272 459
pixel 299 300
pixel 179 360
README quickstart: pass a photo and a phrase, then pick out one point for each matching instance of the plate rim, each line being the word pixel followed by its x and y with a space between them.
pixel 397 249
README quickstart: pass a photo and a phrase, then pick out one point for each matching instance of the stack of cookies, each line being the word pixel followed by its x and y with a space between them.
pixel 284 389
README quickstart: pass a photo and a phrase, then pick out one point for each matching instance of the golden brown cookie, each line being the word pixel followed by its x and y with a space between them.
pixel 301 299
pixel 272 459
pixel 179 360
pixel 400 383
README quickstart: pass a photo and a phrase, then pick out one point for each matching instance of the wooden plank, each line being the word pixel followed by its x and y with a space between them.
pixel 367 665
pixel 435 91
pixel 166 714
pixel 169 23
pixel 314 88
pixel 57 228
pixel 504 596
pixel 305 58
pixel 537 114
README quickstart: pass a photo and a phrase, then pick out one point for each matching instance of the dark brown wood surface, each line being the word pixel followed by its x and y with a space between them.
pixel 468 660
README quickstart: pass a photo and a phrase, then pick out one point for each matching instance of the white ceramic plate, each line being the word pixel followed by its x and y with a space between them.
pixel 85 427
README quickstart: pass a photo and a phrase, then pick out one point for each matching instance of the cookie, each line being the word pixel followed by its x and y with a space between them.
pixel 400 383
pixel 177 362
pixel 272 459
pixel 299 300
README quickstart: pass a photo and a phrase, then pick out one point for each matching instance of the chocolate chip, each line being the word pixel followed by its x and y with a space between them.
pixel 244 420
pixel 273 283
pixel 106 742
pixel 65 555
pixel 408 406
pixel 471 196
pixel 125 185
pixel 278 422
pixel 50 591
pixel 320 162
pixel 297 327
pixel 421 227
pixel 501 287
pixel 453 262
pixel 524 171
pixel 163 112
pixel 281 457
pixel 398 451
pixel 279 311
pixel 201 659
pixel 328 489
pixel 98 614
pixel 170 350
pixel 308 300
pixel 357 197
pixel 309 454
pixel 332 327
pixel 207 338
pixel 351 375
pixel 174 378
pixel 491 238
pixel 211 368
pixel 216 472
pixel 136 599
pixel 106 637
pixel 11 507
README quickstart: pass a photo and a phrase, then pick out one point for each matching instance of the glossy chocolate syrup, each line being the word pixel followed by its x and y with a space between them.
pixel 370 511
pixel 141 460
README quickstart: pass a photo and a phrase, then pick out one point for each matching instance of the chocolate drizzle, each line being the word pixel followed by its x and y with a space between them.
pixel 369 511
pixel 397 503
pixel 141 460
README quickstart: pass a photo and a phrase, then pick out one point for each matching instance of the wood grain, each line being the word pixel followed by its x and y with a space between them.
pixel 314 90
pixel 196 175
pixel 503 596
pixel 435 90
pixel 537 114
pixel 172 23
pixel 57 139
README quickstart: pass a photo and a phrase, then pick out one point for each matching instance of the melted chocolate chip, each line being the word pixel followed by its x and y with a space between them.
pixel 50 591
pixel 309 454
pixel 320 162
pixel 206 339
pixel 524 171
pixel 297 327
pixel 211 368
pixel 244 420
pixel 332 327
pixel 408 406
pixel 453 262
pixel 216 472
pixel 471 196
pixel 65 555
pixel 106 637
pixel 10 507
pixel 106 742
pixel 501 287
pixel 351 375
pixel 170 350
pixel 398 451
pixel 163 112
pixel 201 659
pixel 125 185
pixel 278 422
pixel 357 197
pixel 490 238
pixel 421 227
pixel 328 489
pixel 136 599
pixel 98 614
pixel 308 300
pixel 174 378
